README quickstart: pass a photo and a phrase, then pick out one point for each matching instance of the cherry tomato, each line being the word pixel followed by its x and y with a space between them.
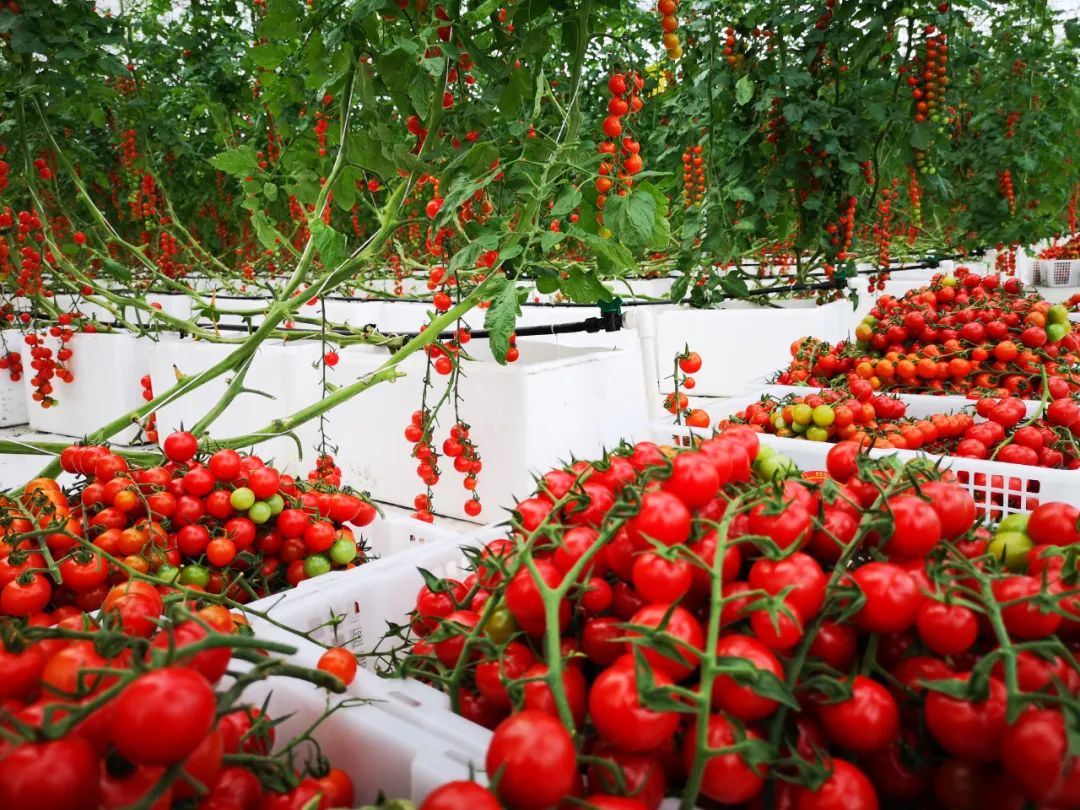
pixel 532 756
pixel 172 698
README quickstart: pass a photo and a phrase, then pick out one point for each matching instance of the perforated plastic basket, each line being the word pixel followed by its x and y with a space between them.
pixel 1057 272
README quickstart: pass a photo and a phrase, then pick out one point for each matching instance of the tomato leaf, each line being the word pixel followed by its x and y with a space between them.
pixel 239 162
pixel 763 682
pixel 116 270
pixel 679 288
pixel 734 285
pixel 582 287
pixel 567 202
pixel 632 218
pixel 744 90
pixel 920 136
pixel 265 230
pixel 500 319
pixel 329 243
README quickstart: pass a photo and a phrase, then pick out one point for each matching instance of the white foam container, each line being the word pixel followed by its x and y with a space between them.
pixel 13 404
pixel 526 417
pixel 107 367
pixel 287 372
pixel 351 608
pixel 737 342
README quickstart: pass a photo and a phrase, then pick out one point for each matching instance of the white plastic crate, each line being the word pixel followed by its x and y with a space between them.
pixel 352 609
pixel 1057 272
pixel 386 744
pixel 13 410
pixel 280 378
pixel 526 416
pixel 106 368
pixel 735 342
pixel 999 489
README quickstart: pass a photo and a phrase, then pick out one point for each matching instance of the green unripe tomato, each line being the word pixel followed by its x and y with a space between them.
pixel 1057 314
pixel 500 625
pixel 195 574
pixel 276 504
pixel 776 467
pixel 1013 523
pixel 798 428
pixel 949 281
pixel 241 499
pixel 316 565
pixel 802 413
pixel 1011 549
pixel 778 422
pixel 259 512
pixel 168 572
pixel 1056 331
pixel 870 320
pixel 764 452
pixel 342 552
pixel 824 415
pixel 817 434
pixel 933 170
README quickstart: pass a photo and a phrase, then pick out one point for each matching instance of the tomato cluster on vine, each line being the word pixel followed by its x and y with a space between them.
pixel 228 524
pixel 129 708
pixel 965 334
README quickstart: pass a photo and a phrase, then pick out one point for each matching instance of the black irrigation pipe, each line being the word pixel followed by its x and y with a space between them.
pixel 607 322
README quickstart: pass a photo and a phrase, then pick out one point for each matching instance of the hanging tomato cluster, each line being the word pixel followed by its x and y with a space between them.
pixel 842 231
pixel 677 403
pixel 1005 186
pixel 669 24
pixel 47 365
pixel 930 78
pixel 693 176
pixel 621 159
pixel 150 425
